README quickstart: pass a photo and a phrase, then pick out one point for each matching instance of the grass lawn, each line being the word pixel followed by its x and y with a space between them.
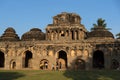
pixel 58 75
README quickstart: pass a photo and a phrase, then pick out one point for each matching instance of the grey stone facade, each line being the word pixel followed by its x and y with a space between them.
pixel 65 45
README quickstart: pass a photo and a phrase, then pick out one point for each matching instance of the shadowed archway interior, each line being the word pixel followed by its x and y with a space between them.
pixel 2 59
pixel 28 57
pixel 62 57
pixel 98 59
pixel 80 64
pixel 115 64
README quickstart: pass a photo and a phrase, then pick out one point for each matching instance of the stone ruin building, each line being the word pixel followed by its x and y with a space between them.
pixel 66 44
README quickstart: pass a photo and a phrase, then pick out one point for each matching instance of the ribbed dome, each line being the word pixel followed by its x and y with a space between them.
pixel 100 32
pixel 33 34
pixel 9 35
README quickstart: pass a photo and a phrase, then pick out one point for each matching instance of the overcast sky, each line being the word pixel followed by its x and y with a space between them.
pixel 23 15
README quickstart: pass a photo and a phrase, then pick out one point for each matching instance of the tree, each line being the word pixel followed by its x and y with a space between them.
pixel 118 35
pixel 100 23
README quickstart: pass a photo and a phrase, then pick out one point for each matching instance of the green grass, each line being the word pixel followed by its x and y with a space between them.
pixel 58 75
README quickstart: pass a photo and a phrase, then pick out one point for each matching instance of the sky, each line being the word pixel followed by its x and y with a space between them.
pixel 24 15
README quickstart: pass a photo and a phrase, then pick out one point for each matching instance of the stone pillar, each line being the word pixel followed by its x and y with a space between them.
pixel 58 32
pixel 70 34
pixel 78 34
pixel 66 33
pixel 91 58
pixel 6 63
pixel 75 35
pixel 19 63
pixel 47 35
pixel 81 35
pixel 55 35
pixel 52 35
pixel 107 60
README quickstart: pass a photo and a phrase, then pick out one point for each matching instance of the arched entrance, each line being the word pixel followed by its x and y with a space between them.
pixel 115 64
pixel 44 64
pixel 2 59
pixel 62 60
pixel 12 64
pixel 79 64
pixel 28 59
pixel 98 59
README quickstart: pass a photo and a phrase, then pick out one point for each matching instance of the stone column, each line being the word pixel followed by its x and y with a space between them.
pixel 70 34
pixel 48 35
pixel 107 60
pixel 58 32
pixel 49 38
pixel 83 35
pixel 6 63
pixel 66 33
pixel 78 34
pixel 52 35
pixel 75 35
pixel 55 35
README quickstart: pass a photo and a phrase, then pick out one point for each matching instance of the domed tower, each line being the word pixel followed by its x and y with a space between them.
pixel 100 33
pixel 33 34
pixel 9 35
pixel 66 26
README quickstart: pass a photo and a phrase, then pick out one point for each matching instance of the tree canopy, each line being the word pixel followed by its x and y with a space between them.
pixel 100 23
pixel 118 35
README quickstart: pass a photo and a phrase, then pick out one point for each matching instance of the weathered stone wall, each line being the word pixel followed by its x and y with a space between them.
pixel 66 46
pixel 43 50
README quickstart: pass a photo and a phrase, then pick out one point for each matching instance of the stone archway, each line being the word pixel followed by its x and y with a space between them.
pixel 98 59
pixel 2 59
pixel 12 64
pixel 62 60
pixel 28 59
pixel 79 64
pixel 115 64
pixel 44 64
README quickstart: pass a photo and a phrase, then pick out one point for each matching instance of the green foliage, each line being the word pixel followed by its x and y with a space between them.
pixel 100 23
pixel 118 35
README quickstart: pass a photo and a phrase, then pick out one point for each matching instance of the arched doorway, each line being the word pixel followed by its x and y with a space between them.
pixel 62 60
pixel 115 64
pixel 12 64
pixel 79 64
pixel 2 59
pixel 28 59
pixel 98 59
pixel 44 64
